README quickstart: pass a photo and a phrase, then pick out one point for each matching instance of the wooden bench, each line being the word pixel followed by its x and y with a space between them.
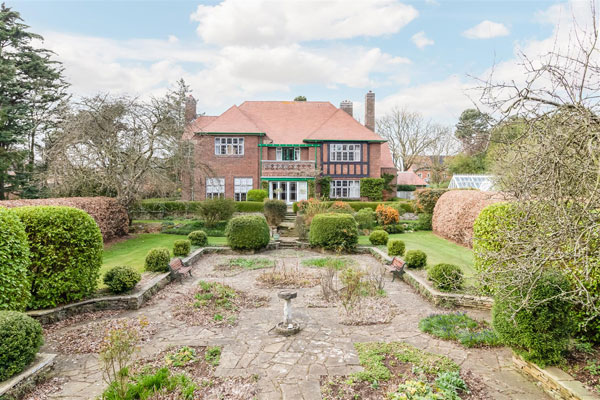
pixel 178 268
pixel 397 268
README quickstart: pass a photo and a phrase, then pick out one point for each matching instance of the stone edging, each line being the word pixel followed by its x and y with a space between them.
pixel 554 381
pixel 15 387
pixel 424 288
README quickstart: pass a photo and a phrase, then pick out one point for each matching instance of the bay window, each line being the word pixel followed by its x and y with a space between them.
pixel 344 189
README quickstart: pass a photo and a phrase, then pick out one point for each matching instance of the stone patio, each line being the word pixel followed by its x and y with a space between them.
pixel 290 367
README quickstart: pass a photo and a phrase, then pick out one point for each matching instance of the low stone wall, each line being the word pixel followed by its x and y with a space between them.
pixel 556 382
pixel 15 387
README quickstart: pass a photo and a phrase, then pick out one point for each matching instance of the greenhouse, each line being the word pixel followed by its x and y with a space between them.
pixel 484 183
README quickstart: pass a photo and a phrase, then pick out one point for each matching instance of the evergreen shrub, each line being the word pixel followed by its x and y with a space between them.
pixel 157 259
pixel 248 232
pixel 14 262
pixel 20 339
pixel 334 231
pixel 120 279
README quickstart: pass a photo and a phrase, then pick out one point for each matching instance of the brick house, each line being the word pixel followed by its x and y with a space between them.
pixel 283 146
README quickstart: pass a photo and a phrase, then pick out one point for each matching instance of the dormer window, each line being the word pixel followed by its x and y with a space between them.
pixel 229 146
pixel 287 154
pixel 344 152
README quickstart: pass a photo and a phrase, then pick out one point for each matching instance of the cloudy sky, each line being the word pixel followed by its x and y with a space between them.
pixel 421 55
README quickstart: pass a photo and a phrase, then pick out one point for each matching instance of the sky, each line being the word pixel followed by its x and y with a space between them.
pixel 424 56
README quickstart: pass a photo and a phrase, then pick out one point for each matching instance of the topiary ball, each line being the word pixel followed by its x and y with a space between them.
pixel 334 232
pixel 379 237
pixel 121 279
pixel 396 247
pixel 446 277
pixel 157 260
pixel 248 232
pixel 20 339
pixel 415 259
pixel 181 248
pixel 14 263
pixel 198 238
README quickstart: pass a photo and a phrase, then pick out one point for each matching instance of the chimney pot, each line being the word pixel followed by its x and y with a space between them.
pixel 370 110
pixel 190 109
pixel 346 106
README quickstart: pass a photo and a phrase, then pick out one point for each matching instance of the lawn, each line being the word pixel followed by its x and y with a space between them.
pixel 133 251
pixel 438 250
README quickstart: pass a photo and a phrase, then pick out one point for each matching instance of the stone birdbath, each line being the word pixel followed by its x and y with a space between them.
pixel 287 326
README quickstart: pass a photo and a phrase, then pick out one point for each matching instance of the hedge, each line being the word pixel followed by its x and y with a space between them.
pixel 378 237
pixel 181 248
pixel 164 208
pixel 66 254
pixel 275 211
pixel 395 247
pixel 121 279
pixel 406 188
pixel 415 259
pixel 365 218
pixel 257 195
pixel 248 232
pixel 157 259
pixel 487 238
pixel 198 238
pixel 334 231
pixel 109 214
pixel 372 188
pixel 14 262
pixel 20 339
pixel 359 205
pixel 426 199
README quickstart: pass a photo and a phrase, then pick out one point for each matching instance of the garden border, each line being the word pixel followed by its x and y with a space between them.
pixel 16 386
pixel 554 381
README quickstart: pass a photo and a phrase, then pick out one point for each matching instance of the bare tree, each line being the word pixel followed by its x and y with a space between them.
pixel 551 168
pixel 410 136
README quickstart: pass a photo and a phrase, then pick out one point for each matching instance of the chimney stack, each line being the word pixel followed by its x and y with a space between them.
pixel 346 105
pixel 370 111
pixel 190 109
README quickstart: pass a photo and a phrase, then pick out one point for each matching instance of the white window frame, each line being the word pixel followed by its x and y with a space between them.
pixel 241 187
pixel 215 188
pixel 345 152
pixel 229 146
pixel 344 189
pixel 279 154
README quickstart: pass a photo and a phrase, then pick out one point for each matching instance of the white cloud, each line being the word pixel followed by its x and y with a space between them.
pixel 486 30
pixel 267 22
pixel 420 40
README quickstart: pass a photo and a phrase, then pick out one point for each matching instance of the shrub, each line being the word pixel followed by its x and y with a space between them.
pixel 20 339
pixel 181 248
pixel 314 207
pixel 248 232
pixel 460 327
pixel 378 237
pixel 157 259
pixel 66 254
pixel 218 229
pixel 14 262
pixel 257 195
pixel 275 211
pixel 121 279
pixel 396 247
pixel 540 331
pixel 198 238
pixel 415 259
pixel 387 215
pixel 215 210
pixel 334 231
pixel 394 228
pixel 403 208
pixel 426 199
pixel 487 239
pixel 365 218
pixel 446 277
pixel 249 206
pixel 406 188
pixel 341 207
pixel 372 188
pixel 424 222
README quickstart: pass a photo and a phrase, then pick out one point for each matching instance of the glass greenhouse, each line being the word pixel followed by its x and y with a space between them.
pixel 484 183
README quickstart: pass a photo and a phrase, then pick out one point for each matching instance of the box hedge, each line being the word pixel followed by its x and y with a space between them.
pixel 160 208
pixel 415 259
pixel 20 339
pixel 334 231
pixel 121 279
pixel 181 248
pixel 198 238
pixel 379 237
pixel 66 254
pixel 395 247
pixel 157 259
pixel 258 195
pixel 215 210
pixel 358 205
pixel 248 232
pixel 14 262
pixel 446 277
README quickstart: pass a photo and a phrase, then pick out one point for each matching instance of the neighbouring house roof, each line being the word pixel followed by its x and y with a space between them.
pixel 410 178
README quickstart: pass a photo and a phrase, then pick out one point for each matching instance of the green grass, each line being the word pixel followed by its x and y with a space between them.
pixel 438 250
pixel 337 263
pixel 461 328
pixel 133 251
pixel 252 263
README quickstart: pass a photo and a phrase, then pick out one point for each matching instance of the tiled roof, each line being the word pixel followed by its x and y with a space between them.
pixel 233 120
pixel 197 125
pixel 386 156
pixel 341 126
pixel 410 178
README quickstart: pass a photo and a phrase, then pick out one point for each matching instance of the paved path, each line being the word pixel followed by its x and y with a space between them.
pixel 290 367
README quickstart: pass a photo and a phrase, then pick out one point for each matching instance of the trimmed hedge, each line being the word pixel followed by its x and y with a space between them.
pixel 164 208
pixel 395 247
pixel 215 210
pixel 334 231
pixel 415 259
pixel 14 262
pixel 66 254
pixel 248 232
pixel 181 248
pixel 198 238
pixel 20 339
pixel 406 188
pixel 379 237
pixel 424 222
pixel 157 259
pixel 540 332
pixel 365 218
pixel 359 205
pixel 427 198
pixel 120 279
pixel 372 188
pixel 487 238
pixel 446 277
pixel 249 206
pixel 258 195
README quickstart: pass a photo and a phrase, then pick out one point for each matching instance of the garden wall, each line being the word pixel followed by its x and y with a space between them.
pixel 110 216
pixel 456 211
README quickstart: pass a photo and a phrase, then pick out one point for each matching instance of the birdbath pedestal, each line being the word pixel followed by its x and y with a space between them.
pixel 287 326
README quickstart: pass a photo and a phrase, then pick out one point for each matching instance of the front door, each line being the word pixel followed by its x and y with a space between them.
pixel 287 191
